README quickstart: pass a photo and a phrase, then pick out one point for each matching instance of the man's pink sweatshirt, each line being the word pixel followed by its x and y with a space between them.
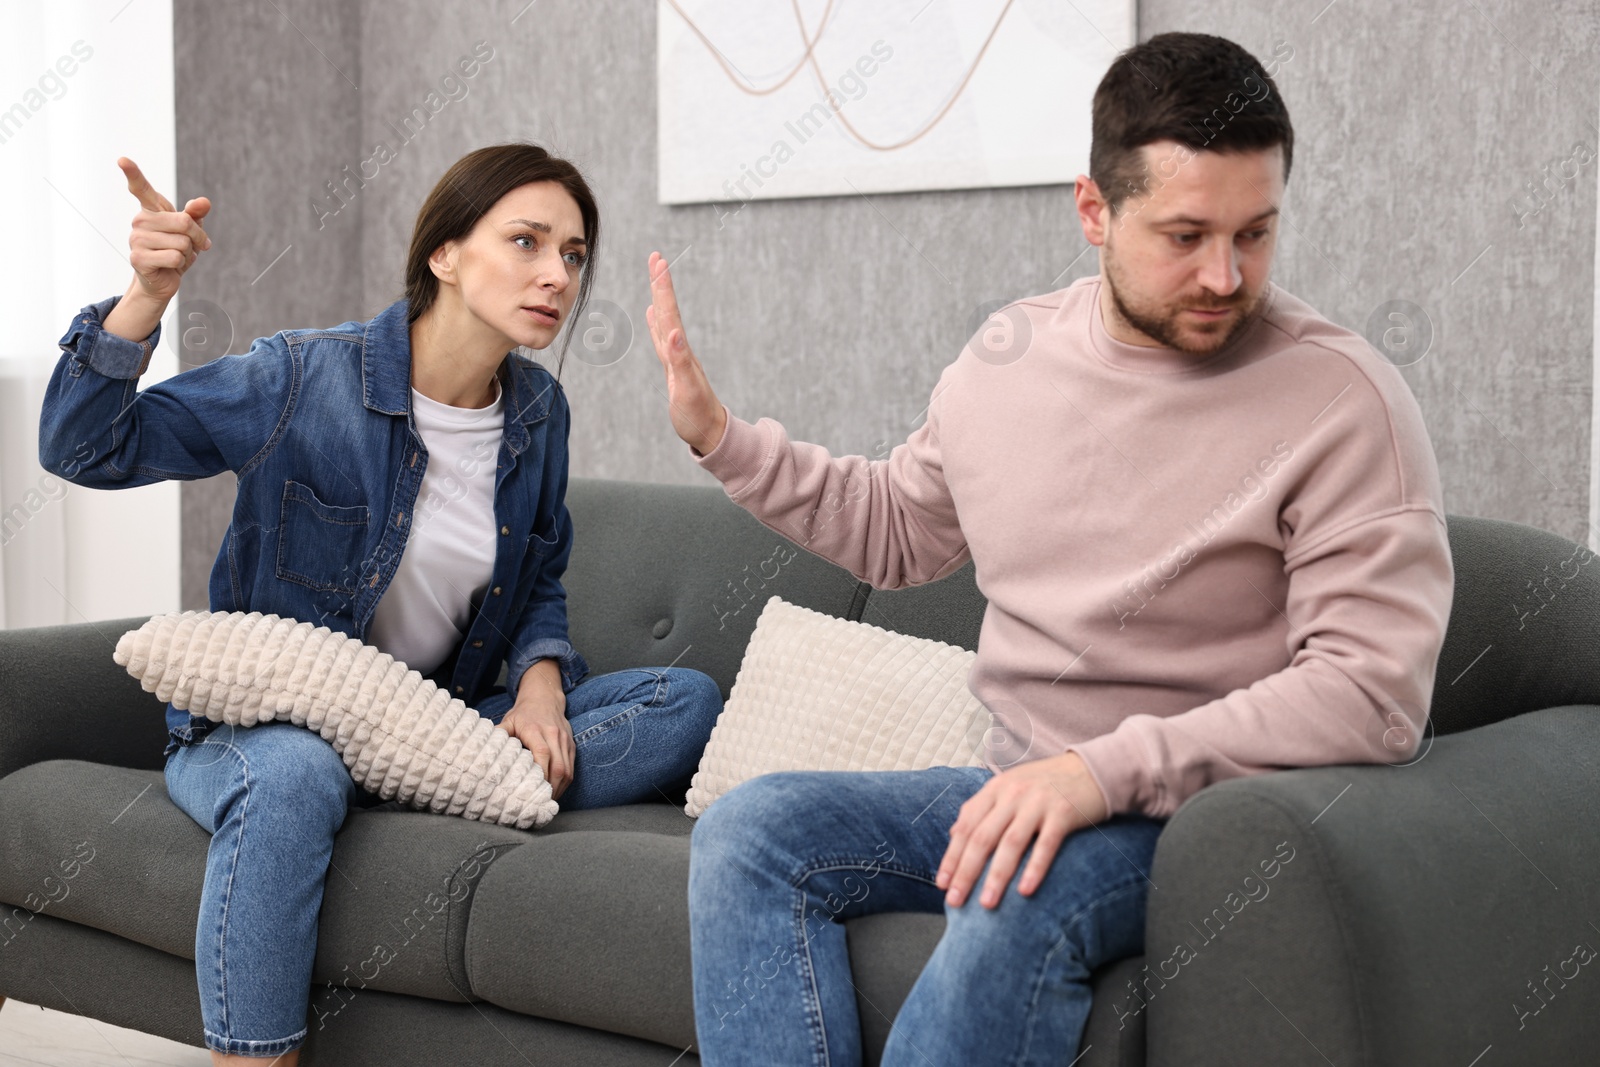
pixel 1196 568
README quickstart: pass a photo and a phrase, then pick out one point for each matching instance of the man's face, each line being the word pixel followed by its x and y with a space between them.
pixel 1185 261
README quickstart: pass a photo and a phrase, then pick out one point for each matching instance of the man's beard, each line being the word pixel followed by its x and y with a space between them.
pixel 1163 326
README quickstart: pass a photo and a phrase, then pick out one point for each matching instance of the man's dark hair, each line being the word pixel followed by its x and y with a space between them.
pixel 1202 91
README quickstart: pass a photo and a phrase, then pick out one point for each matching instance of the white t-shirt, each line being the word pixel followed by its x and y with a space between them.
pixel 449 555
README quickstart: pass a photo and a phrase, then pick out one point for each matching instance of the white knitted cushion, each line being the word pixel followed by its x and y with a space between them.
pixel 820 693
pixel 401 735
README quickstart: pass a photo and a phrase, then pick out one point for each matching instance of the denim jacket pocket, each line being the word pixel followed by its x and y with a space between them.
pixel 319 545
pixel 540 546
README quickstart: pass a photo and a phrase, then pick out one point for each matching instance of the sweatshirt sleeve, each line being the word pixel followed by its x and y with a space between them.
pixel 1367 606
pixel 890 522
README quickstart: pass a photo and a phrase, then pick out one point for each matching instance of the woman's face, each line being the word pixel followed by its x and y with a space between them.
pixel 517 271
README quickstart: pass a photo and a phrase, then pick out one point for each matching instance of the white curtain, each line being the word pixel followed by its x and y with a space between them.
pixel 85 82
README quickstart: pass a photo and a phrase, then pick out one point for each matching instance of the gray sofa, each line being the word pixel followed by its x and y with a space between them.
pixel 1410 913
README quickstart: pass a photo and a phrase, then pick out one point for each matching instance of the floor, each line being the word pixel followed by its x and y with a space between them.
pixel 31 1036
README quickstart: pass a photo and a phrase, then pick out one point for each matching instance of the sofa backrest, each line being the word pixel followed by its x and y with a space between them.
pixel 678 574
pixel 662 574
pixel 689 565
pixel 1523 627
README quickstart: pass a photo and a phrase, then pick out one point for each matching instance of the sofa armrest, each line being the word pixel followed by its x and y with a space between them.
pixel 1386 915
pixel 63 697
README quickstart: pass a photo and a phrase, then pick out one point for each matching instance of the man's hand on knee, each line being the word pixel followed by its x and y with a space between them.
pixel 1038 802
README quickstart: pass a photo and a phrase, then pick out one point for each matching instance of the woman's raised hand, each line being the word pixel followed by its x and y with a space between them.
pixel 696 412
pixel 165 241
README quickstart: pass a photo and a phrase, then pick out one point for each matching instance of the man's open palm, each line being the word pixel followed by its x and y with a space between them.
pixel 695 410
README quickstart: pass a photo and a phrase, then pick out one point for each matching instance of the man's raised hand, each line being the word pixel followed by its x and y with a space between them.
pixel 695 410
pixel 165 242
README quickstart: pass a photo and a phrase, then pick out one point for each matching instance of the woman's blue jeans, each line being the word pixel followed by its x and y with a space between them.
pixel 273 796
pixel 778 862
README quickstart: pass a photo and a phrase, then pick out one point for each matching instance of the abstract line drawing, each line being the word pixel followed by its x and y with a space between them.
pixel 765 99
pixel 808 59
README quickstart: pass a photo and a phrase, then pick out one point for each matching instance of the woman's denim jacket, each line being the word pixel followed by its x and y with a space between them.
pixel 317 424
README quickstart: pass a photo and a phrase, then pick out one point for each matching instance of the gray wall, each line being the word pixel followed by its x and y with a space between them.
pixel 1417 128
pixel 262 119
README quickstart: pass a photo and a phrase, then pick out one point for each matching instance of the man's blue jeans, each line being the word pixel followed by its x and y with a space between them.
pixel 273 796
pixel 780 860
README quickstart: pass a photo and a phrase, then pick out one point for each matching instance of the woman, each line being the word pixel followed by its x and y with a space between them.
pixel 403 481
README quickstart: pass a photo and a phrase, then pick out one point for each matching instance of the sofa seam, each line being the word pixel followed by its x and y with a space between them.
pixel 858 601
pixel 466 905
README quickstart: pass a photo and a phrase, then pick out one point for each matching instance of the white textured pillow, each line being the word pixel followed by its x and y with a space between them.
pixel 819 693
pixel 401 735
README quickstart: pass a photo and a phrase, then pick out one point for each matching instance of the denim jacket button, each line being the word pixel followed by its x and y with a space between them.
pixel 495 590
pixel 505 530
pixel 477 644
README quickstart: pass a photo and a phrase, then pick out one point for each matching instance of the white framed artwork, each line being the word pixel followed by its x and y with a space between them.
pixel 765 99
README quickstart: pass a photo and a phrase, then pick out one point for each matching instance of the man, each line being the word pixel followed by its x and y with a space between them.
pixel 1209 526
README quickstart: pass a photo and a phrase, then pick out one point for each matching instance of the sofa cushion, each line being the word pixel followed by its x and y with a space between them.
pixel 651 818
pixel 887 953
pixel 593 928
pixel 582 922
pixel 589 927
pixel 136 865
pixel 101 846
